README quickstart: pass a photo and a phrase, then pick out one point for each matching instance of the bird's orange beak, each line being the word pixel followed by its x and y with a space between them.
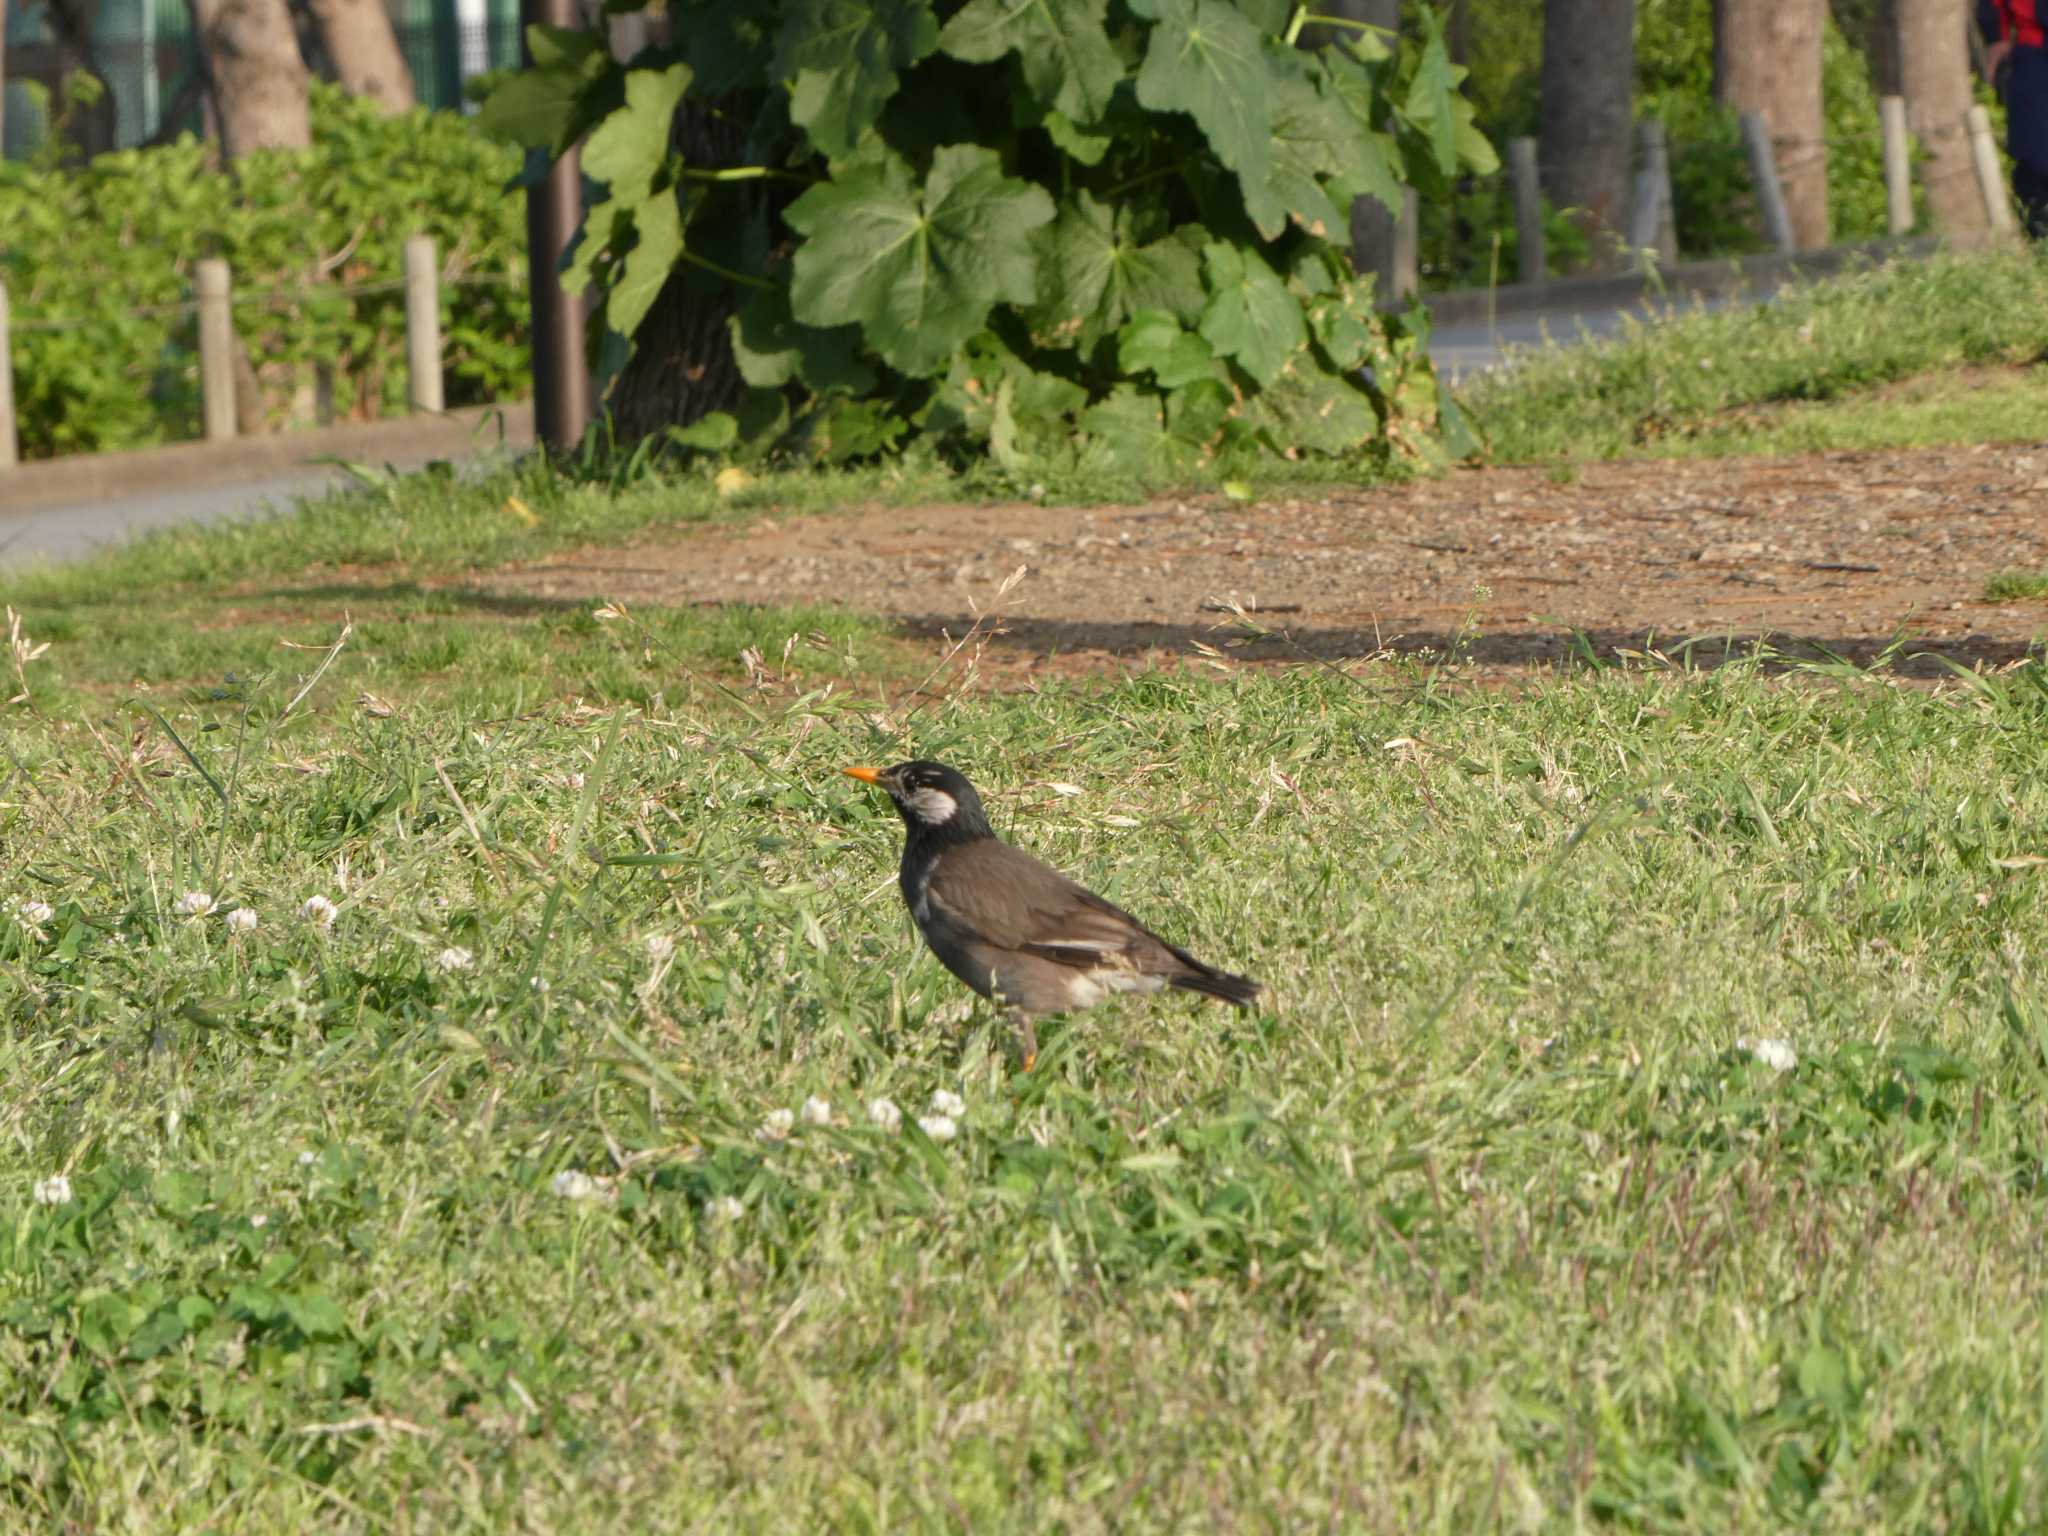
pixel 865 775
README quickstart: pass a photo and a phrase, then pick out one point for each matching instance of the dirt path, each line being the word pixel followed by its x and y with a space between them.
pixel 1842 551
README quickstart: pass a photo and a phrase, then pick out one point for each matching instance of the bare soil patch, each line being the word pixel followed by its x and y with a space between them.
pixel 1841 553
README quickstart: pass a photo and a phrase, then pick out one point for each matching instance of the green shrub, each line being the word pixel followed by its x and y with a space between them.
pixel 98 263
pixel 1104 229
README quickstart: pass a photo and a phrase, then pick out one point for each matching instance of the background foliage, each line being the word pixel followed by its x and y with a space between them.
pixel 1104 229
pixel 88 245
pixel 1715 210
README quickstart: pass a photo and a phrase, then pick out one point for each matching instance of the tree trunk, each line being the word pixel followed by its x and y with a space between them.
pixel 1589 65
pixel 358 38
pixel 89 127
pixel 1767 59
pixel 258 76
pixel 682 364
pixel 1933 46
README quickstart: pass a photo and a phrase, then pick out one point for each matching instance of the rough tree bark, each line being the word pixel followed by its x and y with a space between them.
pixel 682 364
pixel 1932 41
pixel 1584 143
pixel 358 38
pixel 259 79
pixel 1767 59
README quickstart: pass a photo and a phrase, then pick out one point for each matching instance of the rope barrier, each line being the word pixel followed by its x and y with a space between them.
pixel 275 298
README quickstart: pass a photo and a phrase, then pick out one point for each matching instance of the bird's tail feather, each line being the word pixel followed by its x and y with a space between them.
pixel 1239 991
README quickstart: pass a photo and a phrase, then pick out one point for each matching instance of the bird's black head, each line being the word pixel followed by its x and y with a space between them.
pixel 934 800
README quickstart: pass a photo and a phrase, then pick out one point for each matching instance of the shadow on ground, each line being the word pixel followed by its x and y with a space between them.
pixel 1518 649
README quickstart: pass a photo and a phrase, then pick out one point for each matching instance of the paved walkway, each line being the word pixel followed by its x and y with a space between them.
pixel 70 527
pixel 66 509
pixel 71 531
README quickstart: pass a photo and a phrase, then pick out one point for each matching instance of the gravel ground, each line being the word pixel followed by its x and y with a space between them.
pixel 1842 552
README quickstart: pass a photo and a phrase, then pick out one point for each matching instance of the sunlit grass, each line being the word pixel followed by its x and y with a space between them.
pixel 472 1207
pixel 1817 359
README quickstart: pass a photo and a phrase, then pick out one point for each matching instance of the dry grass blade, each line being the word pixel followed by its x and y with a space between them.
pixel 348 628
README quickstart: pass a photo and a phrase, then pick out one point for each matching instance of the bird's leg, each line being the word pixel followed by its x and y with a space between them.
pixel 1021 1022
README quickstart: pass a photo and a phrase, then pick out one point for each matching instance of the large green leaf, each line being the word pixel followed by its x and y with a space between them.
pixel 1205 59
pixel 658 244
pixel 1067 58
pixel 728 46
pixel 1127 431
pixel 605 229
pixel 1306 407
pixel 631 145
pixel 1430 95
pixel 772 347
pixel 992 395
pixel 1250 317
pixel 1309 130
pixel 1076 142
pixel 919 267
pixel 565 47
pixel 1368 159
pixel 1154 341
pixel 839 60
pixel 1099 275
pixel 1342 324
pixel 531 108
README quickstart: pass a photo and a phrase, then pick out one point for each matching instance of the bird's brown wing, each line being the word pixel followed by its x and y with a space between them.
pixel 1012 902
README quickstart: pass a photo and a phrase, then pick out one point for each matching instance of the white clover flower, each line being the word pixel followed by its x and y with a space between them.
pixel 574 1184
pixel 195 904
pixel 242 920
pixel 55 1190
pixel 37 913
pixel 455 958
pixel 817 1110
pixel 319 911
pixel 1778 1055
pixel 306 1159
pixel 775 1125
pixel 883 1112
pixel 938 1127
pixel 726 1208
pixel 259 1220
pixel 659 947
pixel 947 1102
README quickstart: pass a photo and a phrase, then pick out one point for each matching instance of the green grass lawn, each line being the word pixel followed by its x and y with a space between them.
pixel 1917 352
pixel 457 1212
pixel 1645 1129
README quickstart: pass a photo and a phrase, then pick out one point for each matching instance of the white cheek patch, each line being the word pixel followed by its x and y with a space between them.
pixel 933 806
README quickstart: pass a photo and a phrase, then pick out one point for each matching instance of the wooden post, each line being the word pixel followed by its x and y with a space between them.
pixel 1898 168
pixel 216 350
pixel 1652 226
pixel 422 325
pixel 554 207
pixel 1763 171
pixel 1531 263
pixel 1407 233
pixel 10 442
pixel 1990 175
pixel 1667 206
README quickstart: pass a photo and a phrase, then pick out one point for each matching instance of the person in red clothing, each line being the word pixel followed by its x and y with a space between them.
pixel 2016 62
